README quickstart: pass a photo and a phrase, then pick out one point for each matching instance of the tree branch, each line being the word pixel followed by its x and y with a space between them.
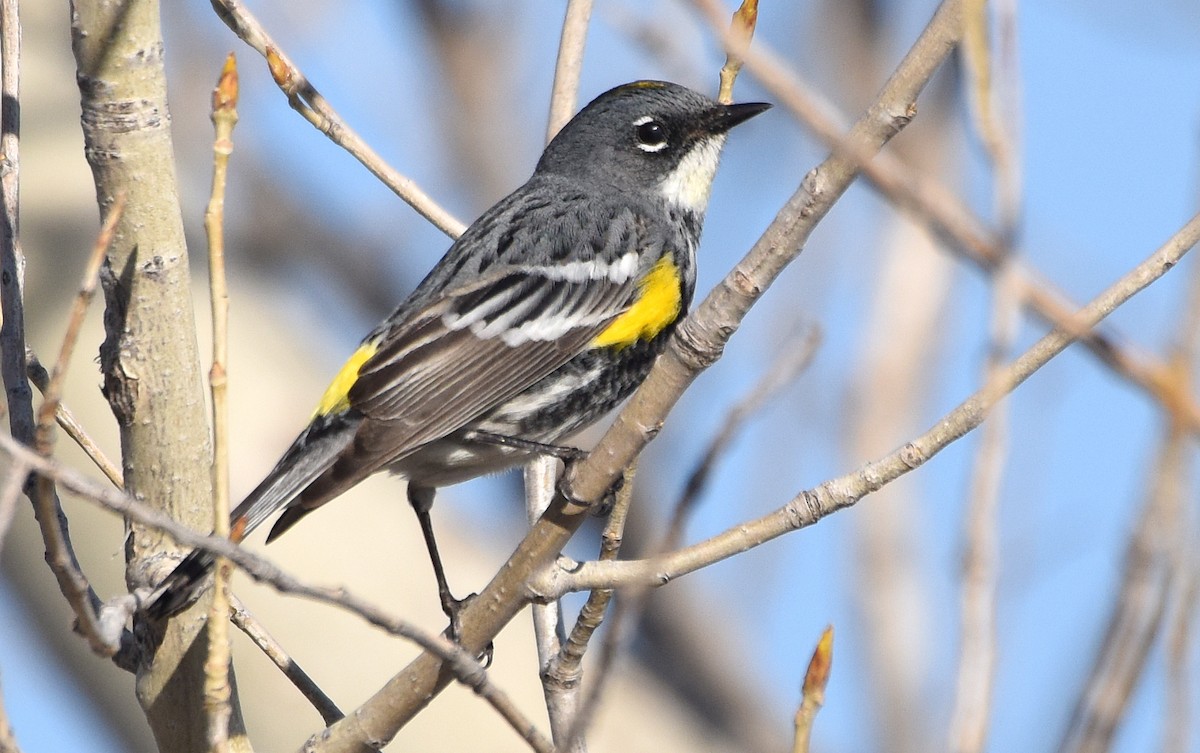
pixel 274 651
pixel 306 100
pixel 995 119
pixel 217 687
pixel 564 96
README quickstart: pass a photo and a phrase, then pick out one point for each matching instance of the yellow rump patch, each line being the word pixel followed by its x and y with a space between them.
pixel 337 396
pixel 659 301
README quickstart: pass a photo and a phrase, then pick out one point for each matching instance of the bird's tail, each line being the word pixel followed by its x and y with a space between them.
pixel 313 452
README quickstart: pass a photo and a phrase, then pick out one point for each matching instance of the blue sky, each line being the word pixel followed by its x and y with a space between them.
pixel 1110 100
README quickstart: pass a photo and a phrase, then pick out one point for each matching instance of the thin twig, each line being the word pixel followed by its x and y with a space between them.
pixel 1184 564
pixel 258 635
pixel 977 653
pixel 812 505
pixel 628 609
pixel 70 424
pixel 812 693
pixel 1181 638
pixel 74 585
pixel 794 357
pixel 306 100
pixel 943 212
pixel 739 34
pixel 991 118
pixel 217 689
pixel 564 95
pixel 569 663
pixel 541 475
pixel 566 671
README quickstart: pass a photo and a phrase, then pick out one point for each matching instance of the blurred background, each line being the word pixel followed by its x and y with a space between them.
pixel 1104 119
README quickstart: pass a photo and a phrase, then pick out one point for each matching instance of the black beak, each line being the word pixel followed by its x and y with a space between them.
pixel 723 117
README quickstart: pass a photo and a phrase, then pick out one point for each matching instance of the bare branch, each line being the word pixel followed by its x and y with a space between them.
pixel 992 114
pixel 306 100
pixel 977 654
pixel 274 651
pixel 565 94
pixel 812 696
pixel 568 666
pixel 741 31
pixel 217 688
pixel 561 699
pixel 628 610
pixel 566 671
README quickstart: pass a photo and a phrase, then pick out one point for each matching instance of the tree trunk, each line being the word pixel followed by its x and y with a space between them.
pixel 149 358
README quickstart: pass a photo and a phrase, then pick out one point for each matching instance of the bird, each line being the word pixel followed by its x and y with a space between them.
pixel 543 316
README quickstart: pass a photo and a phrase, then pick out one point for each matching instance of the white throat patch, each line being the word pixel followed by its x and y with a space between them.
pixel 689 184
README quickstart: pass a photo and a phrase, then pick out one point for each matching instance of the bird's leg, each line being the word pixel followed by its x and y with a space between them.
pixel 421 499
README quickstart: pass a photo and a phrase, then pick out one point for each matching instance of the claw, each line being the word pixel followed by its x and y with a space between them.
pixel 602 506
pixel 453 609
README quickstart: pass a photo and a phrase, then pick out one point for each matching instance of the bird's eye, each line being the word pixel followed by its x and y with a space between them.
pixel 651 134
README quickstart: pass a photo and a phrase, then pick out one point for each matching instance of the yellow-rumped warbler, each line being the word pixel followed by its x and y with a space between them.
pixel 545 314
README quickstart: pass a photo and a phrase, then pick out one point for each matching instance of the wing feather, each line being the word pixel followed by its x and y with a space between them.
pixel 431 377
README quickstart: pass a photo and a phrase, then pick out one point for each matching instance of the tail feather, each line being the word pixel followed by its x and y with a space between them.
pixel 313 453
pixel 182 587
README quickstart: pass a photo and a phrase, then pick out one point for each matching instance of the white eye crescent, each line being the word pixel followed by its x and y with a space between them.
pixel 651 134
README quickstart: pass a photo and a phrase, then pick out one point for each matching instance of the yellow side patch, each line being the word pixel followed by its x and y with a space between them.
pixel 658 304
pixel 337 396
